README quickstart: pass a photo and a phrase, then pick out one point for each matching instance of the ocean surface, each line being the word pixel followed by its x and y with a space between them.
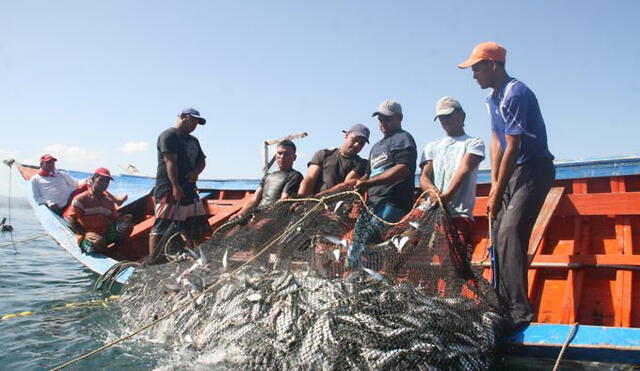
pixel 68 318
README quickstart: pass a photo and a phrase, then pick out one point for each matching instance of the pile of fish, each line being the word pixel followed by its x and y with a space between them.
pixel 282 320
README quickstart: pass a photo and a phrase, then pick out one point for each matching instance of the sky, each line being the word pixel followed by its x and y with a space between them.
pixel 95 83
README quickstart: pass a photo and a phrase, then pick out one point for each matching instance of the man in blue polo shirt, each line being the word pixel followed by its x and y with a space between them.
pixel 522 173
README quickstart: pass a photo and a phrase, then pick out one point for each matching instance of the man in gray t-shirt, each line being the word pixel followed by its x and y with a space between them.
pixel 277 185
pixel 450 167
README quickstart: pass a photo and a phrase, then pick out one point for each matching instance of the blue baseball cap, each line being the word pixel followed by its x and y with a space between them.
pixel 359 130
pixel 190 111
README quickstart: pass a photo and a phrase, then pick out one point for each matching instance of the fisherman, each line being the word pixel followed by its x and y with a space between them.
pixel 180 162
pixel 55 189
pixel 331 169
pixel 450 168
pixel 94 219
pixel 522 173
pixel 391 181
pixel 51 187
pixel 277 185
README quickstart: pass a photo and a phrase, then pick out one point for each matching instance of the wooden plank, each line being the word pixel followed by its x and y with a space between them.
pixel 579 185
pixel 623 203
pixel 632 260
pixel 542 222
pixel 575 277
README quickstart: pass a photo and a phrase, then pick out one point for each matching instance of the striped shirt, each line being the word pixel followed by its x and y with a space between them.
pixel 93 213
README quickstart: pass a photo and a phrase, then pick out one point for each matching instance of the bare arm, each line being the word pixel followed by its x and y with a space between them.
pixel 391 175
pixel 255 200
pixel 171 160
pixel 425 177
pixel 306 187
pixel 507 165
pixel 192 176
pixel 469 163
pixel 349 181
pixel 425 181
pixel 74 225
pixel 496 157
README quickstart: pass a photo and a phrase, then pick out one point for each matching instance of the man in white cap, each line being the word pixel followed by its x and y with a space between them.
pixel 450 167
pixel 180 162
pixel 391 182
pixel 333 168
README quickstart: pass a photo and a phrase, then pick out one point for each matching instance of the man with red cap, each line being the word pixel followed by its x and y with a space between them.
pixel 51 187
pixel 522 173
pixel 94 219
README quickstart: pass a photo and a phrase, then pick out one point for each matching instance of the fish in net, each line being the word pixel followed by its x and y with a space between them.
pixel 288 289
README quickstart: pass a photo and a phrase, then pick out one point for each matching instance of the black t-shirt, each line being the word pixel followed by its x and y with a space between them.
pixel 276 183
pixel 335 168
pixel 187 147
pixel 397 148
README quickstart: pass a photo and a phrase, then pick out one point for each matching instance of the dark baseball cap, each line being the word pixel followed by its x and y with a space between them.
pixel 359 130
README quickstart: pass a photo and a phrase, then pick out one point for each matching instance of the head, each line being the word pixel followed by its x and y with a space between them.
pixel 354 140
pixel 285 155
pixel 189 119
pixel 100 180
pixel 389 116
pixel 487 60
pixel 451 116
pixel 48 163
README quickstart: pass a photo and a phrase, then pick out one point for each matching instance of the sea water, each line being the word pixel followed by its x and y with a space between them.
pixel 38 276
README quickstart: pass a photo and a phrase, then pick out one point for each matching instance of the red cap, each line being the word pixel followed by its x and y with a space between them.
pixel 485 51
pixel 103 171
pixel 46 158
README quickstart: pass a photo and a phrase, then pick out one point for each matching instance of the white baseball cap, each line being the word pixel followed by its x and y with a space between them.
pixel 388 108
pixel 446 106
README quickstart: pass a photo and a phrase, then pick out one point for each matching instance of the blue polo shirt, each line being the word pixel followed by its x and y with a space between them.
pixel 514 110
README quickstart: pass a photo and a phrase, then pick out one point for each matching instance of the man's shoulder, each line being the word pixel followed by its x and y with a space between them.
pixel 295 173
pixel 399 140
pixel 516 88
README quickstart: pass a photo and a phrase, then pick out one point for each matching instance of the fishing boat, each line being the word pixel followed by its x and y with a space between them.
pixel 584 253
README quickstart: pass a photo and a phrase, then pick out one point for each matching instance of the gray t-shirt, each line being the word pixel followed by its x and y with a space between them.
pixel 276 183
pixel 446 156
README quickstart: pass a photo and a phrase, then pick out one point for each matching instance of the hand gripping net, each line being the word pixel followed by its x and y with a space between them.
pixel 323 284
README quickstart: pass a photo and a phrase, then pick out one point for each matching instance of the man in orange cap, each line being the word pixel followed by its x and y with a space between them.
pixel 522 173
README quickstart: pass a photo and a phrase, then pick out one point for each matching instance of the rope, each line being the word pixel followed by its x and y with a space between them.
pixel 566 345
pixel 325 198
pixel 319 201
pixel 25 240
pixel 85 304
pixel 186 303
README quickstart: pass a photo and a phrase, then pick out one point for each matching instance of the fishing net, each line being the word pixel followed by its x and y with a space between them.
pixel 324 284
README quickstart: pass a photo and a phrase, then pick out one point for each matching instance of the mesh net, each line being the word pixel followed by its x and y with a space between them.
pixel 324 285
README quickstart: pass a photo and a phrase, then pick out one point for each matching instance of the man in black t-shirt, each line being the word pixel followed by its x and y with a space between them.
pixel 330 169
pixel 180 161
pixel 277 185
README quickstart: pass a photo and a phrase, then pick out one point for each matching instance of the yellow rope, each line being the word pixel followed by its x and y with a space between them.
pixel 320 201
pixel 90 303
pixel 187 303
pixel 25 240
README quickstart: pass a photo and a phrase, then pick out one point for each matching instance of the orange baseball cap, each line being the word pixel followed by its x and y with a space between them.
pixel 488 50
